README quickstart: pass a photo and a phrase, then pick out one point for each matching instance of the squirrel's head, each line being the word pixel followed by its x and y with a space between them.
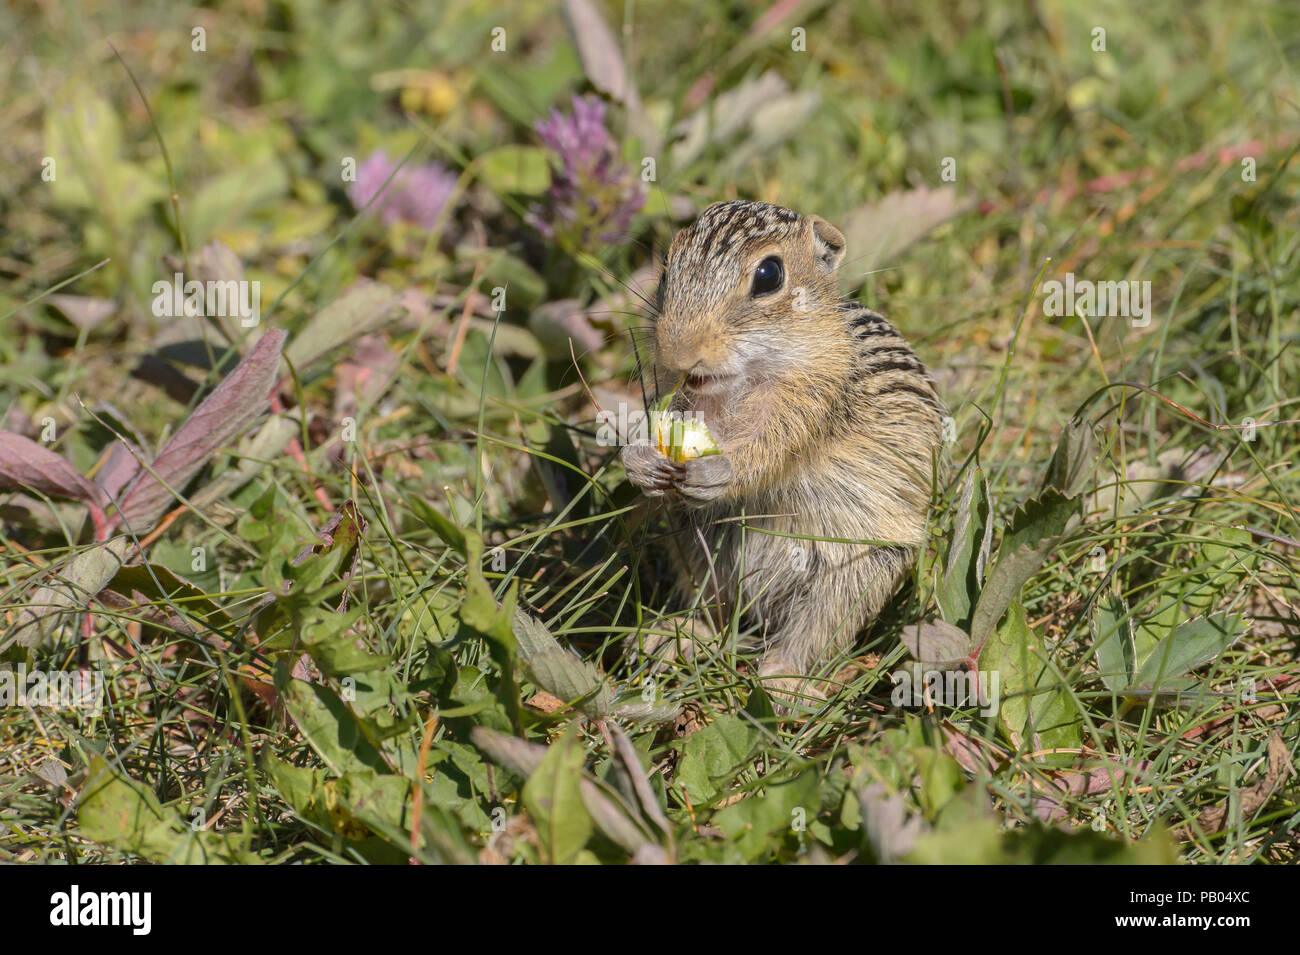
pixel 745 289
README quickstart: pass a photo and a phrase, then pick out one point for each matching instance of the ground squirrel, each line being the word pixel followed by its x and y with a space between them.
pixel 828 425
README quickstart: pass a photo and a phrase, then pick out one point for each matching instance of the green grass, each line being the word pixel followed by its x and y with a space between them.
pixel 484 486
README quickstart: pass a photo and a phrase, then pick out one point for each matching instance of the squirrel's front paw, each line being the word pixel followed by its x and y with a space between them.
pixel 649 470
pixel 704 479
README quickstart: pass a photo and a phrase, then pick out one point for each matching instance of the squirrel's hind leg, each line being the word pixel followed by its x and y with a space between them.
pixel 695 633
pixel 843 598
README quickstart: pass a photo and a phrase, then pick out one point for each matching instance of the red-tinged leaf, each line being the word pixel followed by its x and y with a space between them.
pixel 343 530
pixel 937 644
pixel 975 755
pixel 26 464
pixel 221 418
pixel 1051 799
pixel 118 467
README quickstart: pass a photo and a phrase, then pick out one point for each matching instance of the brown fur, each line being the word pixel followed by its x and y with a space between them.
pixel 828 424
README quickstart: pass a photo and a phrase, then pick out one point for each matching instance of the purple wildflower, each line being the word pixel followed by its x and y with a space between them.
pixel 416 194
pixel 593 193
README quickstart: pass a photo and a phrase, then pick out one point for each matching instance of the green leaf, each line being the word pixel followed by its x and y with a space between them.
pixel 471 696
pixel 525 289
pixel 361 309
pixel 83 135
pixel 1195 586
pixel 559 672
pixel 1072 460
pixel 1112 635
pixel 495 624
pixel 452 535
pixel 1190 644
pixel 176 559
pixel 362 803
pixel 300 786
pixel 1033 706
pixel 975 842
pixel 940 777
pixel 343 532
pixel 439 673
pixel 553 798
pixel 227 201
pixel 328 725
pixel 759 707
pixel 518 170
pixel 328 638
pixel 1038 844
pixel 1035 530
pixel 114 811
pixel 170 589
pixel 379 801
pixel 761 823
pixel 712 755
pixel 297 583
pixel 972 534
pixel 983 842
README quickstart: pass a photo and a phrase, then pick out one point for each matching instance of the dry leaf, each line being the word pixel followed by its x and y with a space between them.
pixel 362 308
pixel 937 644
pixel 69 590
pixel 877 233
pixel 728 114
pixel 598 50
pixel 890 830
pixel 82 311
pixel 541 700
pixel 1253 797
pixel 119 467
pixel 603 63
pixel 558 323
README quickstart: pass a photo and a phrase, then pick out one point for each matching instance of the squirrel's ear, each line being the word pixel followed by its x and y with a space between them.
pixel 828 243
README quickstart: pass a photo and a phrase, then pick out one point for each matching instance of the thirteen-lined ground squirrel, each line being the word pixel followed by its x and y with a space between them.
pixel 828 426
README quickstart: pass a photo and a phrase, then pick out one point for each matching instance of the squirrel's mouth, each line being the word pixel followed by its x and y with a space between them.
pixel 705 384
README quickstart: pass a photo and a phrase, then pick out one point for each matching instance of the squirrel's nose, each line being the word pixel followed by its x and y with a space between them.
pixel 685 353
pixel 676 356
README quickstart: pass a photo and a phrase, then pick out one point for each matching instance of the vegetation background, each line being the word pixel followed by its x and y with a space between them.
pixel 382 615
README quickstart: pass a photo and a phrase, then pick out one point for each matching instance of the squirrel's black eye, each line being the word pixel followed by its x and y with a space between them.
pixel 768 276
